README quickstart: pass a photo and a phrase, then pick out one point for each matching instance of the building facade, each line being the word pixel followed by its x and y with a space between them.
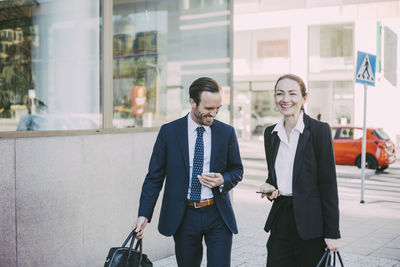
pixel 317 40
pixel 84 87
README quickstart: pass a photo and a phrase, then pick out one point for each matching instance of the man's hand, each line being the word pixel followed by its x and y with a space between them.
pixel 211 180
pixel 332 244
pixel 270 191
pixel 140 224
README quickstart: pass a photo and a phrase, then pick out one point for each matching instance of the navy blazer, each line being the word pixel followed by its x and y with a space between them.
pixel 314 187
pixel 170 162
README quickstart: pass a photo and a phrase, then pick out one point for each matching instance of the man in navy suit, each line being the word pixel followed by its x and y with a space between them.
pixel 198 158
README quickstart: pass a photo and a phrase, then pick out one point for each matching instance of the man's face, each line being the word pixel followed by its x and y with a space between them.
pixel 207 110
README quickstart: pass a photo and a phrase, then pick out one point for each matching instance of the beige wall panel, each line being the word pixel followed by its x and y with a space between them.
pixel 7 203
pixel 49 201
pixel 78 196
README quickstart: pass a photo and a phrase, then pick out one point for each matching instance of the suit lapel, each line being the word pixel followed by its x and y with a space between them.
pixel 181 134
pixel 275 141
pixel 301 148
pixel 214 144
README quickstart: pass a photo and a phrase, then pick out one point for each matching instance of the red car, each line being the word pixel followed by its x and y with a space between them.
pixel 347 142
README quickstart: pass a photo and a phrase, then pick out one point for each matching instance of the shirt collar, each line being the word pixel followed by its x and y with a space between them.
pixel 300 123
pixel 279 127
pixel 192 126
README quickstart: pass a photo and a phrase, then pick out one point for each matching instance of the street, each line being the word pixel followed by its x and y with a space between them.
pixel 370 231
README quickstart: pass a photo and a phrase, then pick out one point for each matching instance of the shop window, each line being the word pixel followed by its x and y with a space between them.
pixel 51 76
pixel 156 56
pixel 51 81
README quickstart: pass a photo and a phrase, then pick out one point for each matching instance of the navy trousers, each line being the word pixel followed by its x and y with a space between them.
pixel 198 223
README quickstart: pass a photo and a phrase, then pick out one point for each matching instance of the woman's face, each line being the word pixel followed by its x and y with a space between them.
pixel 288 98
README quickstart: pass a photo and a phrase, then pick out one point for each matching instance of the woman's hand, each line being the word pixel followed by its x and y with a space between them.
pixel 332 244
pixel 270 191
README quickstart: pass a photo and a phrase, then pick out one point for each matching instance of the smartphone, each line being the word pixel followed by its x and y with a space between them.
pixel 267 193
pixel 209 174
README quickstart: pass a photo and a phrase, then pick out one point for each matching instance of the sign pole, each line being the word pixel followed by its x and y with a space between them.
pixel 364 145
pixel 365 74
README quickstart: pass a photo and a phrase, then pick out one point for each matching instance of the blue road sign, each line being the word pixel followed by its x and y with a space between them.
pixel 365 72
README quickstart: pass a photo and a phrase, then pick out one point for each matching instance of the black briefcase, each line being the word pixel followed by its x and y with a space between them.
pixel 330 261
pixel 128 257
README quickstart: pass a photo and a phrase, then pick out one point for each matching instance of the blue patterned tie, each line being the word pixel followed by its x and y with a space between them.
pixel 195 193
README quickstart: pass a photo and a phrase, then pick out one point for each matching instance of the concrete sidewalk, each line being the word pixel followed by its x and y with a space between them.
pixel 370 231
pixel 368 239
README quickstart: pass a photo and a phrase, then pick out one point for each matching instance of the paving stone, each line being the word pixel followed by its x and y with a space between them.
pixel 370 232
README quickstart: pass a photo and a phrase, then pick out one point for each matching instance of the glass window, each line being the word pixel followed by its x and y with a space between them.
pixel 270 48
pixel 254 107
pixel 334 132
pixel 319 101
pixel 276 48
pixel 50 64
pixel 343 102
pixel 336 41
pixel 160 48
pixel 346 133
pixel 263 111
pixel 381 134
pixel 358 134
pixel 50 70
pixel 332 101
pixel 331 48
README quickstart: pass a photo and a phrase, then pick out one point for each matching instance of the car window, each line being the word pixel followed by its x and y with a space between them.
pixel 346 133
pixel 358 134
pixel 381 134
pixel 333 132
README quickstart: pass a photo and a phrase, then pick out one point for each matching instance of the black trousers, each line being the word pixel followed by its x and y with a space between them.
pixel 285 247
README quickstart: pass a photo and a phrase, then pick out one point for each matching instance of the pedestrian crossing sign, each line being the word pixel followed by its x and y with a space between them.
pixel 365 72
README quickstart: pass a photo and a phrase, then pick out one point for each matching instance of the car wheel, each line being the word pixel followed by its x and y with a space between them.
pixel 382 168
pixel 370 162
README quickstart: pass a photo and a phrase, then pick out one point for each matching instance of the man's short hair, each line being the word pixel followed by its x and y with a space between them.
pixel 200 85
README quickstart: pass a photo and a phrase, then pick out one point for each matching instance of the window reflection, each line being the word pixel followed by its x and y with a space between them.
pixel 254 108
pixel 332 101
pixel 160 47
pixel 49 66
pixel 331 48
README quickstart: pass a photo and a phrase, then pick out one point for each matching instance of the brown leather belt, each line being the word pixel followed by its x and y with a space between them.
pixel 203 203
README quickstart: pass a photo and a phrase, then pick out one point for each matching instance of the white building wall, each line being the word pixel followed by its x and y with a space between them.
pixel 382 99
pixel 383 107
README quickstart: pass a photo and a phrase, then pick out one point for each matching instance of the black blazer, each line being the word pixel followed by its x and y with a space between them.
pixel 315 195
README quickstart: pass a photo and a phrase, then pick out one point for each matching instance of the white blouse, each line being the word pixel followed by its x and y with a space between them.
pixel 286 153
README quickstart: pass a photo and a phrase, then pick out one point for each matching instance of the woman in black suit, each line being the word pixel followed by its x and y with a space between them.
pixel 304 218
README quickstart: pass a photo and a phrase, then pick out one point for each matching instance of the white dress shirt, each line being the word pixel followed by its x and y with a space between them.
pixel 192 135
pixel 286 154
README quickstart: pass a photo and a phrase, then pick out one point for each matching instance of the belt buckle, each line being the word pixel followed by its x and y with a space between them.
pixel 195 205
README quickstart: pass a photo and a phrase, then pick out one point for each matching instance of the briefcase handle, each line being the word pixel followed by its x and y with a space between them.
pixel 132 237
pixel 327 257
